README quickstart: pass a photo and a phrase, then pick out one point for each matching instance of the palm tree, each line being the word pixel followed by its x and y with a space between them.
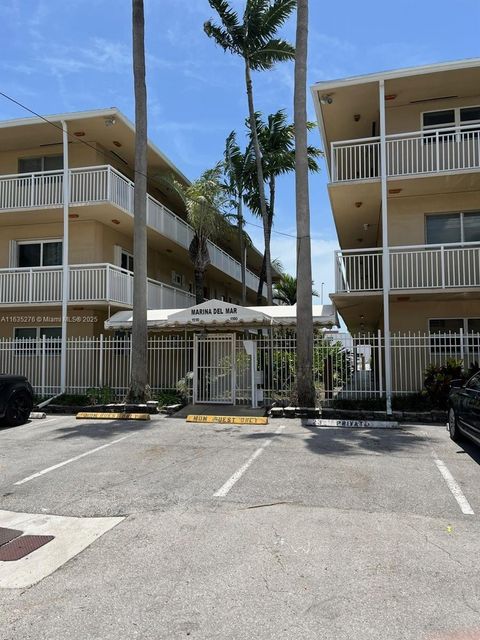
pixel 277 143
pixel 236 168
pixel 255 41
pixel 139 377
pixel 285 291
pixel 305 386
pixel 204 201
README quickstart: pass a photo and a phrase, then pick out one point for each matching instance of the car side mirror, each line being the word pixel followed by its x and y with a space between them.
pixel 456 384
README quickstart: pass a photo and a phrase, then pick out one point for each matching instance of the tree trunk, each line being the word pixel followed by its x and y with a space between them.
pixel 270 211
pixel 243 265
pixel 261 282
pixel 261 185
pixel 305 386
pixel 139 379
pixel 199 274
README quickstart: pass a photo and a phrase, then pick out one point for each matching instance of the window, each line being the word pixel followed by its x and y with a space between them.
pixel 450 120
pixel 126 260
pixel 28 340
pixel 40 163
pixel 178 279
pixel 446 228
pixel 474 383
pixel 39 253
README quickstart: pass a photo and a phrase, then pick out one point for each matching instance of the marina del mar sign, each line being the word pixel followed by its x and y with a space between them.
pixel 217 312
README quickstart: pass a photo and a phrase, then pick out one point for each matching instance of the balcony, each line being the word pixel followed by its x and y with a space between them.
pixel 408 154
pixel 94 185
pixel 89 283
pixel 438 267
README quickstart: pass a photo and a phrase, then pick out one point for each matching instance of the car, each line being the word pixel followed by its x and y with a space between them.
pixel 16 400
pixel 464 409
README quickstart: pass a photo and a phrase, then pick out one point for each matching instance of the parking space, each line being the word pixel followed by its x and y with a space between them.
pixel 276 531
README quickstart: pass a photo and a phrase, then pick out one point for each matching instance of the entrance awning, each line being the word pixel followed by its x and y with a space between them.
pixel 216 313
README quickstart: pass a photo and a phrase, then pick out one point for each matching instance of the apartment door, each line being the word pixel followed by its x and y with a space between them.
pixel 214 369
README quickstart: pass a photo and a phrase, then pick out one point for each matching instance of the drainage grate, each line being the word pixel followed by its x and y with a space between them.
pixel 21 547
pixel 8 534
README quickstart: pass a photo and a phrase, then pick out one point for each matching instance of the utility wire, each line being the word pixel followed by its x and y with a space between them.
pixel 108 157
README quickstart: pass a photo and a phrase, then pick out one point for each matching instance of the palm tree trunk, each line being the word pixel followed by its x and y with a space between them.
pixel 261 186
pixel 305 386
pixel 139 379
pixel 261 282
pixel 270 213
pixel 243 265
pixel 199 274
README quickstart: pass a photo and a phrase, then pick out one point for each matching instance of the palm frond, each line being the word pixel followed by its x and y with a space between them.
pixel 275 16
pixel 227 15
pixel 267 55
pixel 221 36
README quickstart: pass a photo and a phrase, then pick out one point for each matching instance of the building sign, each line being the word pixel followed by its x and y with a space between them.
pixel 217 312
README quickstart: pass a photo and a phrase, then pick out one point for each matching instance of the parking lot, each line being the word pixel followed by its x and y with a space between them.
pixel 219 531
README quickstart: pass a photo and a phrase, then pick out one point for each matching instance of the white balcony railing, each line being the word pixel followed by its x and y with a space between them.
pixel 91 185
pixel 408 154
pixel 88 283
pixel 416 267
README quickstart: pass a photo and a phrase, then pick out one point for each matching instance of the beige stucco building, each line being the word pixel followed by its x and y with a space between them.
pixel 403 152
pixel 100 228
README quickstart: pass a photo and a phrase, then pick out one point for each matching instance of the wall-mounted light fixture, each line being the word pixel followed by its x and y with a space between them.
pixel 326 98
pixel 356 117
pixel 109 122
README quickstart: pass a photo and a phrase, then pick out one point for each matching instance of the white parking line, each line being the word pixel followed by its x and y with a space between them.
pixel 454 487
pixel 62 464
pixel 225 488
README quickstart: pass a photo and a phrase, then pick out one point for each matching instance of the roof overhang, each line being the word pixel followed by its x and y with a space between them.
pixel 219 314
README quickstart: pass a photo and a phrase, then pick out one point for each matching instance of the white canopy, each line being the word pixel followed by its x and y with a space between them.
pixel 218 313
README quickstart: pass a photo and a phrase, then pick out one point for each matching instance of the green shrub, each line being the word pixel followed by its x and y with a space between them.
pixel 438 379
pixel 102 395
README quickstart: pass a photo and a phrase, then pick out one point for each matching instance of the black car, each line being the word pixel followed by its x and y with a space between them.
pixel 464 409
pixel 16 400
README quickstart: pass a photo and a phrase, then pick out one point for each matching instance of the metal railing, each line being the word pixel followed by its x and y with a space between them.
pixel 90 185
pixel 408 154
pixel 344 365
pixel 88 283
pixel 413 267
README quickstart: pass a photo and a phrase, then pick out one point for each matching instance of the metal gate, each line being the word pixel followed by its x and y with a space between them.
pixel 214 369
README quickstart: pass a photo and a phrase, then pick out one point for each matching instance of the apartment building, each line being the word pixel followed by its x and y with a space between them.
pixel 96 150
pixel 403 152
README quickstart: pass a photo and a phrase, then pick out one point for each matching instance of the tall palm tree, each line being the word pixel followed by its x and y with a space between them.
pixel 236 166
pixel 305 386
pixel 277 143
pixel 285 291
pixel 204 200
pixel 139 377
pixel 255 41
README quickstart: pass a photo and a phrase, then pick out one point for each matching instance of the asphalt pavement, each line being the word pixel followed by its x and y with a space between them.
pixel 242 532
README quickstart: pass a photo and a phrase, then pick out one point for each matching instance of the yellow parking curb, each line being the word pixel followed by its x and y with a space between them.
pixel 113 416
pixel 227 419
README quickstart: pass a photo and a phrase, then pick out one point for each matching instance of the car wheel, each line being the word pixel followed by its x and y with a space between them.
pixel 453 425
pixel 18 409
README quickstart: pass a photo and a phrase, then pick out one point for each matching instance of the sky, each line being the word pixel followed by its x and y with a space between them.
pixel 59 56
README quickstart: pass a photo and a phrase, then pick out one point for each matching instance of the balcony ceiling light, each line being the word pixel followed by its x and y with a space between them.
pixel 390 96
pixel 79 134
pixel 73 216
pixel 117 143
pixel 116 221
pixel 394 191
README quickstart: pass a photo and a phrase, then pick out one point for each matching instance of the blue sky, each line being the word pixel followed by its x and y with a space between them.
pixel 69 56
